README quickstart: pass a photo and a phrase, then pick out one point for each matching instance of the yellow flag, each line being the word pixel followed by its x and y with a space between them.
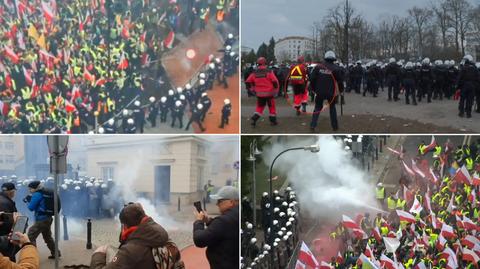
pixel 32 32
pixel 41 42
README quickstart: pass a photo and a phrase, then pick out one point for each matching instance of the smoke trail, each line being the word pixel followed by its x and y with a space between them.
pixel 328 183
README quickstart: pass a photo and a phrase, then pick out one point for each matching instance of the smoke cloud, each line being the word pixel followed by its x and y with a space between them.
pixel 328 183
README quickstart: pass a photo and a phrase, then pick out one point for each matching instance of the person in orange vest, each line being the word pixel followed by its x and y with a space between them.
pixel 298 79
pixel 264 84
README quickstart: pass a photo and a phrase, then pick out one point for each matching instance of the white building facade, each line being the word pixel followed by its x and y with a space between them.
pixel 291 47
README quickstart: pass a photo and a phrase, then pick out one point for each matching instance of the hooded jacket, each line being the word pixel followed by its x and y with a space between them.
pixel 136 252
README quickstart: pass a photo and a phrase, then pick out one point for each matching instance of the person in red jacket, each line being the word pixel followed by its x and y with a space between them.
pixel 298 79
pixel 264 84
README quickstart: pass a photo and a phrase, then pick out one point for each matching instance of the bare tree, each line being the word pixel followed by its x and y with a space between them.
pixel 443 20
pixel 421 18
pixel 460 20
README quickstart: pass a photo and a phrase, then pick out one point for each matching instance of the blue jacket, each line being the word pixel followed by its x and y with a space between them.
pixel 37 204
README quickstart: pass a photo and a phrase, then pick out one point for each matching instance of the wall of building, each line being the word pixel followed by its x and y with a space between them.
pixel 289 48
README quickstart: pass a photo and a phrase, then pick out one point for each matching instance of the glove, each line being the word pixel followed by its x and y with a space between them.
pixel 27 199
pixel 457 95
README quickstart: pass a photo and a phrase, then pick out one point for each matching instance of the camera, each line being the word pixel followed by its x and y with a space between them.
pixel 27 199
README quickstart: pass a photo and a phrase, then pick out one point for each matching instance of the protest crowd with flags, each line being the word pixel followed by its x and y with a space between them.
pixel 91 65
pixel 275 246
pixel 432 221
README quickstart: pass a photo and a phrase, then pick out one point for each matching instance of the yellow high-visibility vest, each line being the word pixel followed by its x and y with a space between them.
pixel 381 193
pixel 391 203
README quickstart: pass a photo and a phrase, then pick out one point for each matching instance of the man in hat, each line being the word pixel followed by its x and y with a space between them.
pixel 220 234
pixel 43 222
pixel 8 210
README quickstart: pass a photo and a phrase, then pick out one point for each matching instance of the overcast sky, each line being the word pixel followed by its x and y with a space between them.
pixel 262 19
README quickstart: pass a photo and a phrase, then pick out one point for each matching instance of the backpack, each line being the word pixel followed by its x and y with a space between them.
pixel 47 195
pixel 168 257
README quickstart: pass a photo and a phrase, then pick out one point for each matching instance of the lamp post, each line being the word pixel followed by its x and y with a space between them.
pixel 313 149
pixel 57 146
pixel 254 151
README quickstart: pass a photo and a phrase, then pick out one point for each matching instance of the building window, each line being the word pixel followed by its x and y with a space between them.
pixel 107 172
pixel 9 145
pixel 9 159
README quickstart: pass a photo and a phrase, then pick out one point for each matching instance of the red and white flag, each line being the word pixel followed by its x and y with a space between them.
pixel 408 169
pixel 469 224
pixel 428 203
pixel 451 264
pixel 431 146
pixel 28 77
pixel 48 12
pixel 376 234
pixel 459 221
pixel 123 64
pixel 387 262
pixel 349 223
pixel 476 179
pixel 300 265
pixel 470 241
pixel 368 251
pixel 359 233
pixel 69 107
pixel 469 255
pixel 417 170
pixel 325 265
pixel 463 176
pixel 440 244
pixel 307 257
pixel 339 258
pixel 11 55
pixel 450 205
pixel 433 177
pixel 398 153
pixel 405 216
pixel 421 265
pixel 449 254
pixel 416 207
pixel 168 42
pixel 447 231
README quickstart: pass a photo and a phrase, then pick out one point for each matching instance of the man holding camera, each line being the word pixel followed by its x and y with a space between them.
pixel 7 211
pixel 220 236
pixel 43 221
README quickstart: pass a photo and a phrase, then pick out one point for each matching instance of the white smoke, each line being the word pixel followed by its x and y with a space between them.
pixel 327 183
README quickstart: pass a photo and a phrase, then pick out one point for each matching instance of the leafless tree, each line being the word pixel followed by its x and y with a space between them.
pixel 460 20
pixel 421 17
pixel 442 18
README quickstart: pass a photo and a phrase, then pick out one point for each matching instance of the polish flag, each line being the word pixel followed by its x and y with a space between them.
pixel 168 42
pixel 431 146
pixel 459 221
pixel 405 216
pixel 125 33
pixel 88 76
pixel 307 257
pixel 76 93
pixel 69 107
pixel 387 262
pixel 376 234
pixel 325 265
pixel 12 55
pixel 450 205
pixel 476 179
pixel 143 36
pixel 421 265
pixel 440 244
pixel 35 89
pixel 469 224
pixel 416 169
pixel 409 171
pixel 470 256
pixel 470 241
pixel 462 176
pixel 428 203
pixel 398 153
pixel 447 231
pixel 349 223
pixel 368 251
pixel 123 64
pixel 449 254
pixel 452 264
pixel 47 12
pixel 300 265
pixel 416 207
pixel 339 258
pixel 407 194
pixel 28 77
pixel 359 233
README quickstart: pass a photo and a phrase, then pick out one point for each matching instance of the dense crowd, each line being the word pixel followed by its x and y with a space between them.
pixel 432 219
pixel 83 66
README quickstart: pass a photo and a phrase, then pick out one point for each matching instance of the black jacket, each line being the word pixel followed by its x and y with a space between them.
pixel 7 206
pixel 221 239
pixel 321 79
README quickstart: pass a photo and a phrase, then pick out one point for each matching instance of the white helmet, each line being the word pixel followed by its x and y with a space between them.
pixel 111 121
pixel 77 188
pixel 182 97
pixel 232 54
pixel 392 60
pixel 426 61
pixel 202 82
pixel 137 103
pixel 163 99
pixel 202 75
pixel 217 60
pixel 125 112
pixel 226 101
pixel 477 65
pixel 151 99
pixel 228 48
pixel 178 103
pixel 468 57
pixel 171 92
pixel 179 90
pixel 130 121
pixel 204 94
pixel 188 86
pixel 330 55
pixel 64 186
pixel 230 35
pixel 211 65
pixel 452 62
pixel 200 106
pixel 409 65
pixel 101 130
pixel 359 62
pixel 103 186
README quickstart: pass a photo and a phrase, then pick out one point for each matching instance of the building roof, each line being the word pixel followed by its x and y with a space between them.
pixel 293 38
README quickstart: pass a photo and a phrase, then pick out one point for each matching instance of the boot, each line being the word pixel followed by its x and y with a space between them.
pixel 254 119
pixel 52 256
pixel 273 120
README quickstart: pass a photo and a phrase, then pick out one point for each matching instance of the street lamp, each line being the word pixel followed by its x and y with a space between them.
pixel 313 149
pixel 58 148
pixel 254 151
